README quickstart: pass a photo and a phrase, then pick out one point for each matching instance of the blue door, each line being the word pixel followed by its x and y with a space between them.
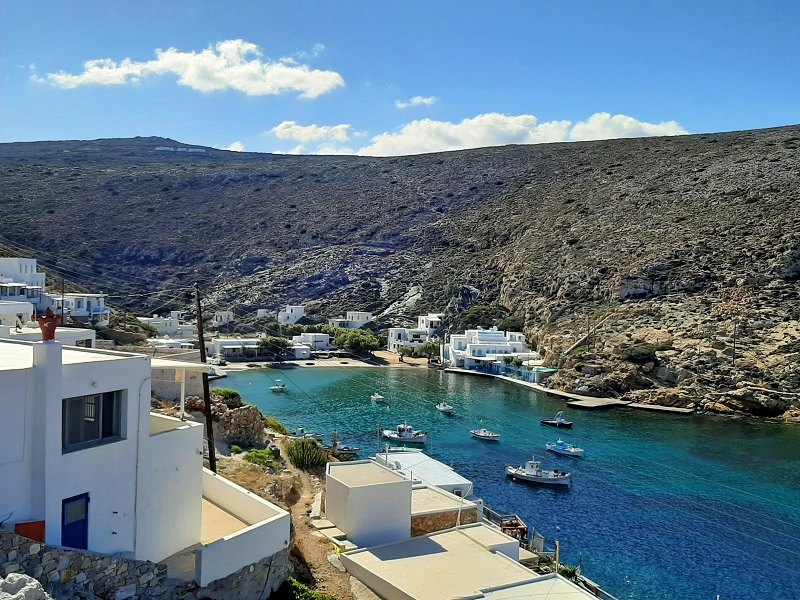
pixel 75 522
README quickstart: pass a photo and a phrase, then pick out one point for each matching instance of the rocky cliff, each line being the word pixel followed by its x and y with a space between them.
pixel 666 249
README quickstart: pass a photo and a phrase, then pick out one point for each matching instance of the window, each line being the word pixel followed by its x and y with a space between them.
pixel 91 420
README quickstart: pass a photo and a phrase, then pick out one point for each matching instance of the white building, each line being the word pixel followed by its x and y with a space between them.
pixel 425 331
pixel 83 461
pixel 68 336
pixel 420 466
pixel 21 282
pixel 291 314
pixel 480 348
pixel 370 503
pixel 232 348
pixel 222 317
pixel 315 341
pixel 353 319
pixel 90 309
pixel 173 325
pixel 15 314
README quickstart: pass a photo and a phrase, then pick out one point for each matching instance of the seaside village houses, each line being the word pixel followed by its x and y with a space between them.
pixel 97 490
pixel 353 319
pixel 425 331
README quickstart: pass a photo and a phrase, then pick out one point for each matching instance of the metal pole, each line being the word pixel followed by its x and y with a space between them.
pixel 212 455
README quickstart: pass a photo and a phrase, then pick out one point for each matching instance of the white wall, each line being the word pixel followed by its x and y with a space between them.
pixel 336 494
pixel 379 514
pixel 16 429
pixel 106 472
pixel 169 502
pixel 268 534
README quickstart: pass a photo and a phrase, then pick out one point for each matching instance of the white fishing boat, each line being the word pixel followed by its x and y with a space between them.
pixel 279 387
pixel 445 408
pixel 485 434
pixel 300 433
pixel 532 472
pixel 378 399
pixel 405 433
pixel 562 447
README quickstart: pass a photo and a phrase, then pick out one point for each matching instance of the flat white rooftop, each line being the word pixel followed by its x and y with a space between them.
pixel 360 473
pixel 19 355
pixel 448 564
pixel 421 466
pixel 425 500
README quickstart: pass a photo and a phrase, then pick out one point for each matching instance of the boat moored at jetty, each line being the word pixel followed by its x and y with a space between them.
pixel 532 472
pixel 557 421
pixel 485 434
pixel 405 433
pixel 562 447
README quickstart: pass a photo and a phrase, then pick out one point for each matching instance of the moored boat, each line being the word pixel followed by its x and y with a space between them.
pixel 378 399
pixel 405 433
pixel 485 434
pixel 562 447
pixel 279 387
pixel 445 408
pixel 532 472
pixel 557 421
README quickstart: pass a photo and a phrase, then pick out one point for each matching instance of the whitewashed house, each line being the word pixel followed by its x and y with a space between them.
pixel 85 465
pixel 173 325
pixel 425 331
pixel 353 319
pixel 480 348
pixel 222 317
pixel 21 282
pixel 315 341
pixel 292 313
pixel 15 314
pixel 232 348
pixel 89 309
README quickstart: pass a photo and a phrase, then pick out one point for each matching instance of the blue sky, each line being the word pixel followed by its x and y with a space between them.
pixel 390 77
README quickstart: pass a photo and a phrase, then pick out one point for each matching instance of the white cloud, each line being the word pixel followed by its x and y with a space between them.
pixel 604 126
pixel 291 130
pixel 229 65
pixel 491 129
pixel 416 101
pixel 236 147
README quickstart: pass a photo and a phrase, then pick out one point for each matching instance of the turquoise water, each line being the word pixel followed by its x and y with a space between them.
pixel 662 506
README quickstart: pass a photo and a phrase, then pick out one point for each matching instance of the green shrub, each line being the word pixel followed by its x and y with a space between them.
pixel 306 454
pixel 226 394
pixel 262 458
pixel 294 590
pixel 275 425
pixel 236 449
pixel 568 571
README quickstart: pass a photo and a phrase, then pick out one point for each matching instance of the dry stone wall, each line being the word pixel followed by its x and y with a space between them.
pixel 424 524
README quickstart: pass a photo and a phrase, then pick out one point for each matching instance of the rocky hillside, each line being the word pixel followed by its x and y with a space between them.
pixel 661 245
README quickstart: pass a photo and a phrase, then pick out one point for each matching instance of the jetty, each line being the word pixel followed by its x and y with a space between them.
pixel 577 400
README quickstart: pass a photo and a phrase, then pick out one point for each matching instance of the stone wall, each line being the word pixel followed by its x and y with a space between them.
pixel 254 582
pixel 423 524
pixel 105 576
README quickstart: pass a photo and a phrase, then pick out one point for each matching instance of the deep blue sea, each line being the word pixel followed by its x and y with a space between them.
pixel 662 506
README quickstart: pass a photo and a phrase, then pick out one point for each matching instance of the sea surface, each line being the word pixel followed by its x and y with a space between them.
pixel 662 506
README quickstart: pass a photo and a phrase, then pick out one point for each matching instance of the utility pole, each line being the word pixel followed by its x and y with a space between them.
pixel 63 308
pixel 212 455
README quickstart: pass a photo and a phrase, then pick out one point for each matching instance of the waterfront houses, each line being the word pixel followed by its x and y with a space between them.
pixel 85 465
pixel 406 539
pixel 426 330
pixel 478 349
pixel 172 325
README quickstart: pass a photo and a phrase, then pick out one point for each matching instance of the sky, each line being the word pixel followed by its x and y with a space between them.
pixel 388 77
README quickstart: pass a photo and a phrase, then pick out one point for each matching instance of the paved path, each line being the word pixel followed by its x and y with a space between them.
pixel 577 400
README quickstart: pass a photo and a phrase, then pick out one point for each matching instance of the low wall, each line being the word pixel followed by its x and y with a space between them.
pixel 268 533
pixel 104 575
pixel 253 582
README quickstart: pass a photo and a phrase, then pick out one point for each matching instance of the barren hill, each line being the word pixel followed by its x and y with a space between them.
pixel 666 241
